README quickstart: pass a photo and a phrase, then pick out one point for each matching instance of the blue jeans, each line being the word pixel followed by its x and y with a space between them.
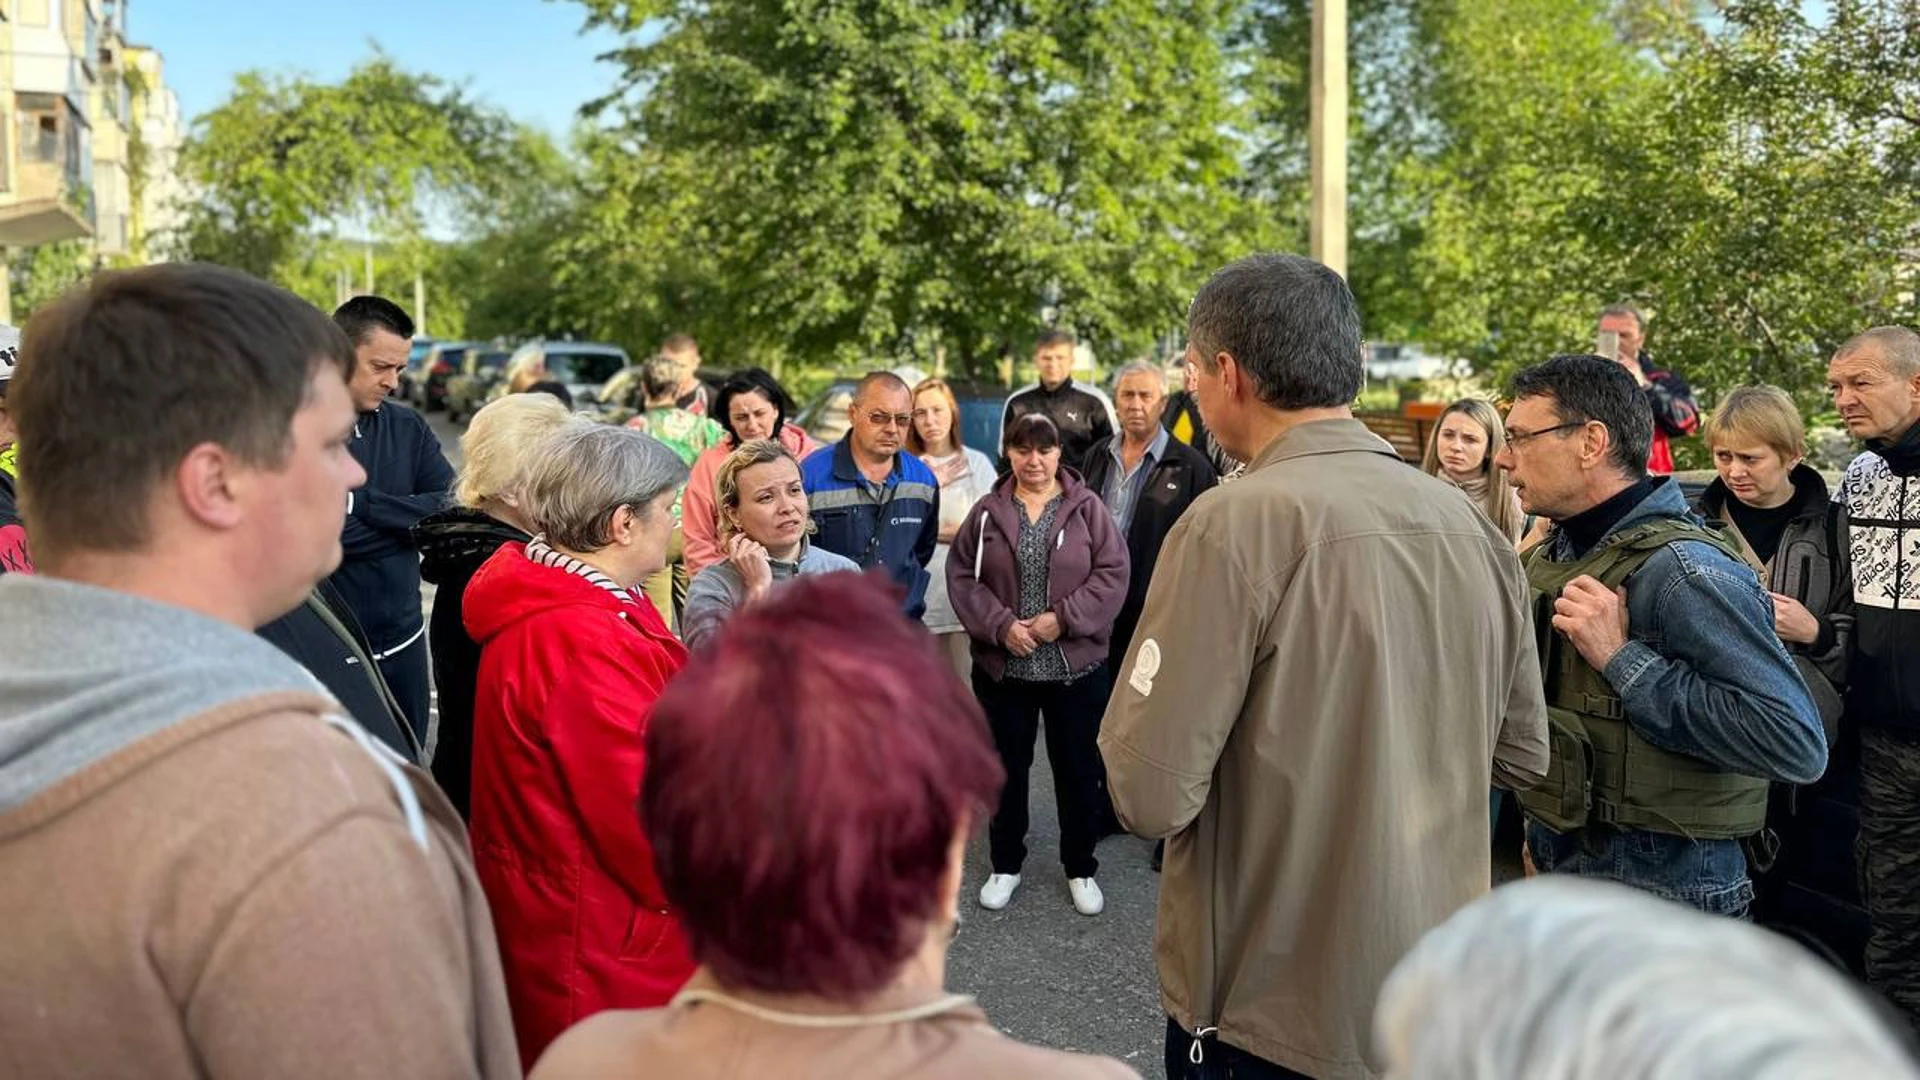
pixel 1707 874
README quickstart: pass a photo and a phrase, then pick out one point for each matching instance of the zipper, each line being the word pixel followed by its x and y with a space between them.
pixel 1899 586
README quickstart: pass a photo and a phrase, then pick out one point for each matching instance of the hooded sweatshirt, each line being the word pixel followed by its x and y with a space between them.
pixel 1086 573
pixel 210 871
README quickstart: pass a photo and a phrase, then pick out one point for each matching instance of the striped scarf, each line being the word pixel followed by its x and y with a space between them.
pixel 538 551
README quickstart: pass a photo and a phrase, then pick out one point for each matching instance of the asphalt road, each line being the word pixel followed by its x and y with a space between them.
pixel 1043 972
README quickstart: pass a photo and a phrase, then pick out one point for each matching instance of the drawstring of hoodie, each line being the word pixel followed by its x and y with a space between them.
pixel 389 763
pixel 980 543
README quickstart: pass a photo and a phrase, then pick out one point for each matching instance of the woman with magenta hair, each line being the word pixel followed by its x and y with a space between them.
pixel 820 906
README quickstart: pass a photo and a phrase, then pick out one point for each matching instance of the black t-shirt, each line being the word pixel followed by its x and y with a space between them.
pixel 1764 528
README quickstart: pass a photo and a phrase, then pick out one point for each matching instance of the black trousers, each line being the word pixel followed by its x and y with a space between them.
pixel 1072 710
pixel 1218 1061
pixel 1889 851
pixel 407 676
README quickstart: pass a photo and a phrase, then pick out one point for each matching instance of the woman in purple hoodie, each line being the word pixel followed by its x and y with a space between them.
pixel 1037 575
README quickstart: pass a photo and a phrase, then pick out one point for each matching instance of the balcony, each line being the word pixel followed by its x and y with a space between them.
pixel 48 205
pixel 49 200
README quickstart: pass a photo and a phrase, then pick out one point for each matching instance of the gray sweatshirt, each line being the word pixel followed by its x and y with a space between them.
pixel 719 589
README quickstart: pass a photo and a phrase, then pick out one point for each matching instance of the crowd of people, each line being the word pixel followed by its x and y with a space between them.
pixel 680 776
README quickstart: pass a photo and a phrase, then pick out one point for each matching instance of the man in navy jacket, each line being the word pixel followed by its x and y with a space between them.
pixel 871 500
pixel 407 479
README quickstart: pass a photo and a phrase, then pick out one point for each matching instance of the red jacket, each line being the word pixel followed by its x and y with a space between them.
pixel 568 676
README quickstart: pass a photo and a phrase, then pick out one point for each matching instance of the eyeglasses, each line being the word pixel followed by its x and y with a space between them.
pixel 883 419
pixel 1515 438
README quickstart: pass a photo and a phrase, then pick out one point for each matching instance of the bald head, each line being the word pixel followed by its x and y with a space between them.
pixel 883 381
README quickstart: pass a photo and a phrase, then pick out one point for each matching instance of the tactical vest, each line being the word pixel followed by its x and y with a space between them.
pixel 1602 771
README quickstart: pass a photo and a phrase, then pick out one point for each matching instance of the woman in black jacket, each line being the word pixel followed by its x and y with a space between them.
pixel 1779 512
pixel 454 543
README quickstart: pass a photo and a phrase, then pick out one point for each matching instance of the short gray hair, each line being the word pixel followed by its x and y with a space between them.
pixel 585 472
pixel 1631 312
pixel 1290 322
pixel 1141 367
pixel 1559 978
pixel 1898 346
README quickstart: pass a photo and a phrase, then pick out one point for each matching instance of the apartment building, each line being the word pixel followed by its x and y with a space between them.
pixel 159 130
pixel 89 133
pixel 46 165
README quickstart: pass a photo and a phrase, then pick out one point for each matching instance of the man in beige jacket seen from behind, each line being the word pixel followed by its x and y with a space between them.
pixel 1335 661
pixel 206 869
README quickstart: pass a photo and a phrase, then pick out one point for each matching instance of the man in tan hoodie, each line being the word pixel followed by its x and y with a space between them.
pixel 206 868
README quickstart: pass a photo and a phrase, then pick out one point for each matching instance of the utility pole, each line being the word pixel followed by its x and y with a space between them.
pixel 420 303
pixel 369 256
pixel 1327 136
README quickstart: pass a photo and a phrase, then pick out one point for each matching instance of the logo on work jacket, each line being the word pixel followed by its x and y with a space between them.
pixel 1146 664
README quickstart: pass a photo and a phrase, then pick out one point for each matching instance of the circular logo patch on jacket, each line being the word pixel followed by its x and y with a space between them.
pixel 1146 665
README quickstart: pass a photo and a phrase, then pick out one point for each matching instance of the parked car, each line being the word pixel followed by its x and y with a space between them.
pixel 480 371
pixel 428 387
pixel 981 408
pixel 416 363
pixel 583 367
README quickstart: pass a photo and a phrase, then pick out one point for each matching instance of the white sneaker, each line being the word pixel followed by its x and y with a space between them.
pixel 1087 899
pixel 998 890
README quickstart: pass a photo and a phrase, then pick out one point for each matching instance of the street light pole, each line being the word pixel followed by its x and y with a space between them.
pixel 1327 136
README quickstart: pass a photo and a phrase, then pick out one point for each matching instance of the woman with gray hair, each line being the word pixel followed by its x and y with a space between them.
pixel 1562 978
pixel 571 660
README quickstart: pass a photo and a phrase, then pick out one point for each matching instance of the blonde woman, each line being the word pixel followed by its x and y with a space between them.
pixel 966 476
pixel 763 526
pixel 488 512
pixel 1789 528
pixel 1461 452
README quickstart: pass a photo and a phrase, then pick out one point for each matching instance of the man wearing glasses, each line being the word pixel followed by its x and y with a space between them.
pixel 1670 699
pixel 872 501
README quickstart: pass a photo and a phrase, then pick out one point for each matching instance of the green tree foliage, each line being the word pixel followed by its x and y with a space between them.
pixel 839 181
pixel 823 183
pixel 286 164
pixel 1746 178
pixel 40 275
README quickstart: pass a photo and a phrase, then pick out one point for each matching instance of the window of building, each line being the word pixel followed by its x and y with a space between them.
pixel 39 127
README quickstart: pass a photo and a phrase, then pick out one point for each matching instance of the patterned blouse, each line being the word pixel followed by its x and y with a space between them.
pixel 1047 663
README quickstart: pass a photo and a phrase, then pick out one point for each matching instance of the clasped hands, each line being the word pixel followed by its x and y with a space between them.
pixel 1027 635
